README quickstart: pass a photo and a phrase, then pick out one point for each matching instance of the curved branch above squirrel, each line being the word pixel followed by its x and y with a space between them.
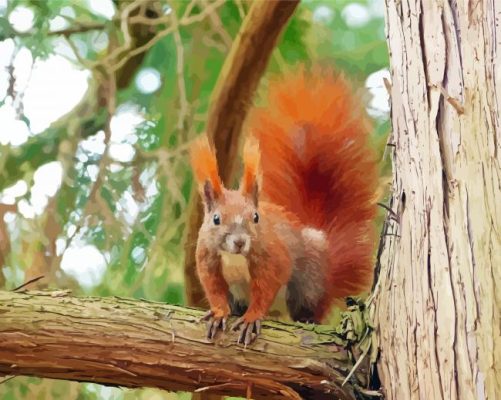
pixel 298 234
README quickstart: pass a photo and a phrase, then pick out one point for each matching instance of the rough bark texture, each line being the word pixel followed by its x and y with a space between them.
pixel 137 343
pixel 231 100
pixel 438 300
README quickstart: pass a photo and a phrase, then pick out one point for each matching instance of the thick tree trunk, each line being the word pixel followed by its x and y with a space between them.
pixel 437 302
pixel 231 100
pixel 137 343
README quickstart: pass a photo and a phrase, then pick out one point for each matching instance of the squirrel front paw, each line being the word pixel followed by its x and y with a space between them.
pixel 247 329
pixel 215 321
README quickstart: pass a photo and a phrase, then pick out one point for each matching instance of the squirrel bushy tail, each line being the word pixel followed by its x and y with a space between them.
pixel 317 162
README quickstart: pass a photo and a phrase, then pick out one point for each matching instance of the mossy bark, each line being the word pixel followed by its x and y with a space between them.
pixel 133 343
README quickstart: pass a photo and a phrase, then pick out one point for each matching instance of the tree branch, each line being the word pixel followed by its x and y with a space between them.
pixel 132 343
pixel 79 28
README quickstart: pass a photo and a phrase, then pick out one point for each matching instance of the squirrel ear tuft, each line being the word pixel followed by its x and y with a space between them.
pixel 204 164
pixel 250 185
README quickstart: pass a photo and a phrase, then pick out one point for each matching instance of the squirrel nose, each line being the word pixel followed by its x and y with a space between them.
pixel 239 243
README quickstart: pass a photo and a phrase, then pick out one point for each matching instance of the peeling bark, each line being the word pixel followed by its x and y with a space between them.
pixel 132 343
pixel 437 303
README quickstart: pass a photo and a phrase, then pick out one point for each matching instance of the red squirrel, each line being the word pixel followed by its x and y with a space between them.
pixel 299 230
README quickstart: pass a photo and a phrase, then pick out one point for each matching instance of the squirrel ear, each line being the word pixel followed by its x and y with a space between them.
pixel 208 195
pixel 250 186
pixel 204 163
pixel 255 193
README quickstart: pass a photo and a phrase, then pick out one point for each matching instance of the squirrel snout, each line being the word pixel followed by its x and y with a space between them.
pixel 239 243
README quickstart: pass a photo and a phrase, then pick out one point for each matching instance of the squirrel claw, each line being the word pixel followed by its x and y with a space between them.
pixel 213 324
pixel 206 316
pixel 248 328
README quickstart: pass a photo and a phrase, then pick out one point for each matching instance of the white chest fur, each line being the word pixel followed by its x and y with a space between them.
pixel 235 270
pixel 236 274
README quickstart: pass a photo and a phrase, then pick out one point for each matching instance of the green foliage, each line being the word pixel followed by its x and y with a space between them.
pixel 136 214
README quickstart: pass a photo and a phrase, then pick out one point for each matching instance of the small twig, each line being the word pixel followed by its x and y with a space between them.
pixel 8 379
pixel 368 392
pixel 188 9
pixel 218 27
pixel 210 42
pixel 94 26
pixel 355 367
pixel 78 29
pixel 183 109
pixel 33 280
pixel 391 234
pixel 240 7
pixel 203 14
pixel 393 214
pixel 451 100
pixel 11 89
pixel 124 27
pixel 387 85
pixel 142 20
pixel 85 63
pixel 167 166
pixel 222 385
pixel 386 149
pixel 142 49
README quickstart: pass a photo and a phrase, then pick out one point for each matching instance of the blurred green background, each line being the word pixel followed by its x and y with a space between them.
pixel 98 204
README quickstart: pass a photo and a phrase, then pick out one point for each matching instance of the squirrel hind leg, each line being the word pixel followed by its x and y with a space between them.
pixel 306 287
pixel 238 307
pixel 297 304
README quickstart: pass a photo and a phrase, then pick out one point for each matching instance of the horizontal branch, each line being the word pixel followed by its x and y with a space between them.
pixel 133 343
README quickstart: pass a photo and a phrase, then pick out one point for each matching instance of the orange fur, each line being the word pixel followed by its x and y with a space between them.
pixel 317 163
pixel 251 158
pixel 204 163
pixel 213 283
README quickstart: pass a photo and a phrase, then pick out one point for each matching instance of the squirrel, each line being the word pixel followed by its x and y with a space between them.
pixel 299 231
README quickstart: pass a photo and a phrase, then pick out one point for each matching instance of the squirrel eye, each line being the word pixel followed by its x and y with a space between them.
pixel 256 217
pixel 216 219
